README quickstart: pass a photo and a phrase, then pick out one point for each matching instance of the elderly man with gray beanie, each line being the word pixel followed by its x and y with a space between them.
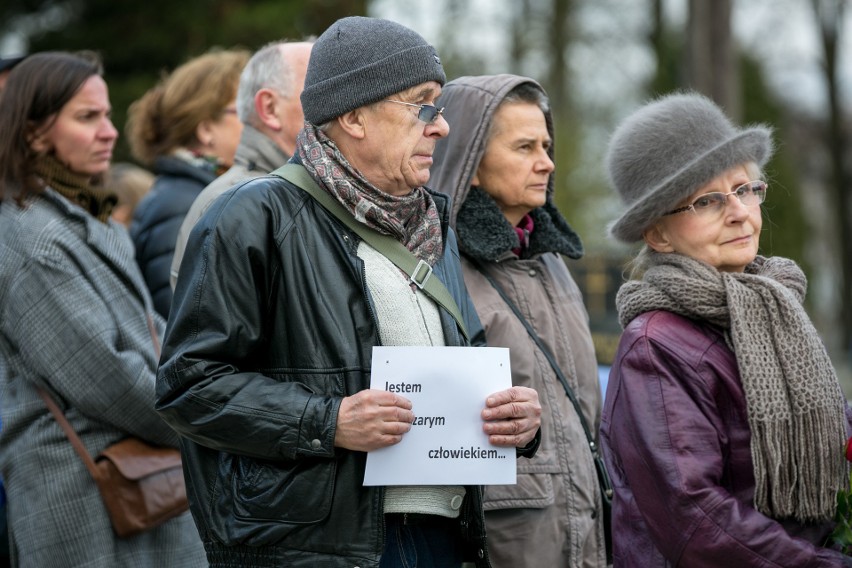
pixel 724 425
pixel 266 362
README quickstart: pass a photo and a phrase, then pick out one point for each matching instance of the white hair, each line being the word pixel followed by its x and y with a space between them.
pixel 267 69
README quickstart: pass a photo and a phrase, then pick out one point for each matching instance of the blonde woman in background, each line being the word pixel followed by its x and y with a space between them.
pixel 187 130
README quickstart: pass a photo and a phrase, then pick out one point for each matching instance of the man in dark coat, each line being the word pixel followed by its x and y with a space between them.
pixel 266 363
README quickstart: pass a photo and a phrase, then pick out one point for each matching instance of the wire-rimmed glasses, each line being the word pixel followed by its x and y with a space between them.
pixel 750 193
pixel 427 114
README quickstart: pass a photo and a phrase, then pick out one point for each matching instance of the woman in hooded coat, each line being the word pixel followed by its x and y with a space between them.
pixel 497 164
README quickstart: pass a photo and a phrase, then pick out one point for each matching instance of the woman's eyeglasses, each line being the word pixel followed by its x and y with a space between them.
pixel 750 193
pixel 427 114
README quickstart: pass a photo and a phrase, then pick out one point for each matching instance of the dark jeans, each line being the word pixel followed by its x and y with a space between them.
pixel 421 541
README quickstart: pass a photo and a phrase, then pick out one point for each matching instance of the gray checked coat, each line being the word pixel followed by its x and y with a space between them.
pixel 73 320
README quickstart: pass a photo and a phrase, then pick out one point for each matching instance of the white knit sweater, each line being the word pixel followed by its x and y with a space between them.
pixel 407 317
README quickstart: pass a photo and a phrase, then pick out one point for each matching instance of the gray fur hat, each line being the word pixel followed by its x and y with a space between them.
pixel 666 150
pixel 358 61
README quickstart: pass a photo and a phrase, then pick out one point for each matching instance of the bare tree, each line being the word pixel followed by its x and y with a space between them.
pixel 829 17
pixel 560 37
pixel 658 27
pixel 666 51
pixel 711 66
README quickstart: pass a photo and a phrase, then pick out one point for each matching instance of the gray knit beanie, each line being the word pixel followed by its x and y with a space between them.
pixel 666 150
pixel 358 61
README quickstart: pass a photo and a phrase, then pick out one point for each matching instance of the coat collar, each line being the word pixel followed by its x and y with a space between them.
pixel 109 241
pixel 174 166
pixel 485 234
pixel 257 152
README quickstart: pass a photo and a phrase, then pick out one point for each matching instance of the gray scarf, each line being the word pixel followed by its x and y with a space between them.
pixel 796 409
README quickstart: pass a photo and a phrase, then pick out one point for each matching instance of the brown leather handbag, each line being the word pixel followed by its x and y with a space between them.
pixel 142 486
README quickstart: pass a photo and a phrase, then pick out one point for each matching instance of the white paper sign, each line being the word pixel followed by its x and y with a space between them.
pixel 447 387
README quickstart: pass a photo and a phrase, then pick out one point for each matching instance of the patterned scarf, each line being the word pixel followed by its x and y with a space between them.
pixel 411 219
pixel 96 200
pixel 796 409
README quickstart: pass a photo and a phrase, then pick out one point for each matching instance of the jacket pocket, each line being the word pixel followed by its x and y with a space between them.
pixel 298 492
pixel 532 491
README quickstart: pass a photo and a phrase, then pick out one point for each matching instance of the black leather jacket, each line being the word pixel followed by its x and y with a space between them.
pixel 271 326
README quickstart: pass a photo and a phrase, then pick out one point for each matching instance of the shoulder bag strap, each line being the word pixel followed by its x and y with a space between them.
pixel 603 477
pixel 72 436
pixel 418 271
pixel 75 440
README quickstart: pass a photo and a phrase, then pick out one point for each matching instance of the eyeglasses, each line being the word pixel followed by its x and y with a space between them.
pixel 750 193
pixel 427 114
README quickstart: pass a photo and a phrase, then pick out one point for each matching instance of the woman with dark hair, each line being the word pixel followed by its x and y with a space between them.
pixel 724 426
pixel 75 322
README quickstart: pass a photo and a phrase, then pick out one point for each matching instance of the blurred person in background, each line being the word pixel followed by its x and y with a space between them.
pixel 187 130
pixel 269 107
pixel 497 165
pixel 6 66
pixel 130 184
pixel 724 425
pixel 74 322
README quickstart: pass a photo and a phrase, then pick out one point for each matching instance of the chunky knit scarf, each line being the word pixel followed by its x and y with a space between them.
pixel 411 219
pixel 76 188
pixel 796 410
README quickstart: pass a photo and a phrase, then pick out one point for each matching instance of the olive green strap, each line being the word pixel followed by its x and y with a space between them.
pixel 419 272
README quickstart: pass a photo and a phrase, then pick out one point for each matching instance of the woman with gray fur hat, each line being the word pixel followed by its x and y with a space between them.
pixel 724 423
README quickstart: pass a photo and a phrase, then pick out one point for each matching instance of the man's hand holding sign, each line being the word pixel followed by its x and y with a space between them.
pixel 425 418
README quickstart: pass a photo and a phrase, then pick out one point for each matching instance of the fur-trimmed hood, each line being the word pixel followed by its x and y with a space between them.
pixel 484 233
